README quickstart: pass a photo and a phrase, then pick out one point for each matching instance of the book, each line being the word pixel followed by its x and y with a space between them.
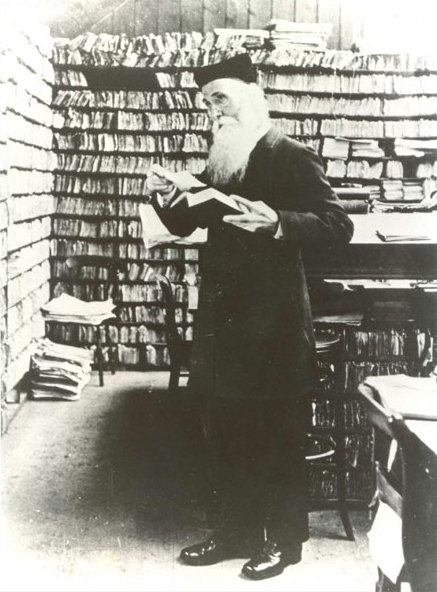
pixel 155 233
pixel 208 206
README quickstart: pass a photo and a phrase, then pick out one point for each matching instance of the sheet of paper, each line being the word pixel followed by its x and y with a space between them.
pixel 385 541
pixel 183 180
pixel 407 395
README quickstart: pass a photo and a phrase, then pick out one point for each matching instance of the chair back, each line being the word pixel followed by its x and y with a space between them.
pixel 408 484
pixel 171 330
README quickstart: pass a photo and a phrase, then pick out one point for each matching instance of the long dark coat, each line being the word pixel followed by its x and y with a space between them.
pixel 253 334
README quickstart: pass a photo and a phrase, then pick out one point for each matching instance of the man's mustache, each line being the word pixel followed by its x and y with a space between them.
pixel 224 120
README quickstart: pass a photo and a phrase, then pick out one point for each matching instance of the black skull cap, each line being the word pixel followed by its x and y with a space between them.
pixel 239 66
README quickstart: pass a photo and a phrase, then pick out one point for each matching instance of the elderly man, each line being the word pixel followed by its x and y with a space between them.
pixel 254 353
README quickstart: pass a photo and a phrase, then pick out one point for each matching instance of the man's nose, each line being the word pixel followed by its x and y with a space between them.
pixel 215 112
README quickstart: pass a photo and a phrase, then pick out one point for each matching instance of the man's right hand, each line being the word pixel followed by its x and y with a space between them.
pixel 157 184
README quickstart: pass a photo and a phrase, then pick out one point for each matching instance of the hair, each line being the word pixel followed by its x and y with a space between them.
pixel 232 144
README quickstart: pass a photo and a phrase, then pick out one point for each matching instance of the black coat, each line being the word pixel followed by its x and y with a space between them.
pixel 253 334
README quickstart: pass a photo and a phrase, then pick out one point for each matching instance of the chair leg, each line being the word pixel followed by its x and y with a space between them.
pixel 384 584
pixel 340 456
pixel 99 358
pixel 111 360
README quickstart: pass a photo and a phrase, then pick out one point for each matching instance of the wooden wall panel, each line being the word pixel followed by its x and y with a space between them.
pixel 283 9
pixel 138 17
pixel 306 11
pixel 124 18
pixel 146 16
pixel 237 14
pixel 260 13
pixel 214 14
pixel 191 15
pixel 329 12
pixel 169 16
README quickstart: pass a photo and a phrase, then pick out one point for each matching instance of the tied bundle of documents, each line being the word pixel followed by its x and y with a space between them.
pixel 59 371
pixel 68 309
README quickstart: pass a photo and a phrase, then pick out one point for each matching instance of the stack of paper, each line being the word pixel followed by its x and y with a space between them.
pixel 59 371
pixel 303 35
pixel 413 190
pixel 393 190
pixel 335 148
pixel 366 148
pixel 68 309
pixel 414 147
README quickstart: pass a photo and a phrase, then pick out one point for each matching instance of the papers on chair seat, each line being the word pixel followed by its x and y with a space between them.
pixel 411 396
pixel 59 371
pixel 155 233
pixel 385 541
pixel 68 309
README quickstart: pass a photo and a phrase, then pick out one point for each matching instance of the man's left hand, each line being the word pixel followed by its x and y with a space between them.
pixel 257 216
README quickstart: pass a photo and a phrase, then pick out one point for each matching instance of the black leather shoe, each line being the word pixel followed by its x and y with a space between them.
pixel 271 561
pixel 207 553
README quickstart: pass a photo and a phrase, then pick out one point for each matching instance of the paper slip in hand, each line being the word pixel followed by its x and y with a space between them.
pixel 183 180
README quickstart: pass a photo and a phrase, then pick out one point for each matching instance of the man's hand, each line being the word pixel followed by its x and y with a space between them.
pixel 166 189
pixel 257 216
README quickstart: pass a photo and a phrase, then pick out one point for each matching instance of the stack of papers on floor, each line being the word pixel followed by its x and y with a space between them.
pixel 59 371
pixel 68 309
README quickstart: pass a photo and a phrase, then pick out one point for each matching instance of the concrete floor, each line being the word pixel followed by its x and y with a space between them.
pixel 101 494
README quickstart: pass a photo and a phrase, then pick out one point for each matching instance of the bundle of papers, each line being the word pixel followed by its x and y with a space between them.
pixel 303 35
pixel 68 309
pixel 366 148
pixel 59 371
pixel 335 148
pixel 414 147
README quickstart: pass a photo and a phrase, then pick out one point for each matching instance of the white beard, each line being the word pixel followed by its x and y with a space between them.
pixel 229 154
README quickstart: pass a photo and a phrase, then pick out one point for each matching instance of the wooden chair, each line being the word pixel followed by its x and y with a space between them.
pixel 179 348
pixel 322 446
pixel 408 484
